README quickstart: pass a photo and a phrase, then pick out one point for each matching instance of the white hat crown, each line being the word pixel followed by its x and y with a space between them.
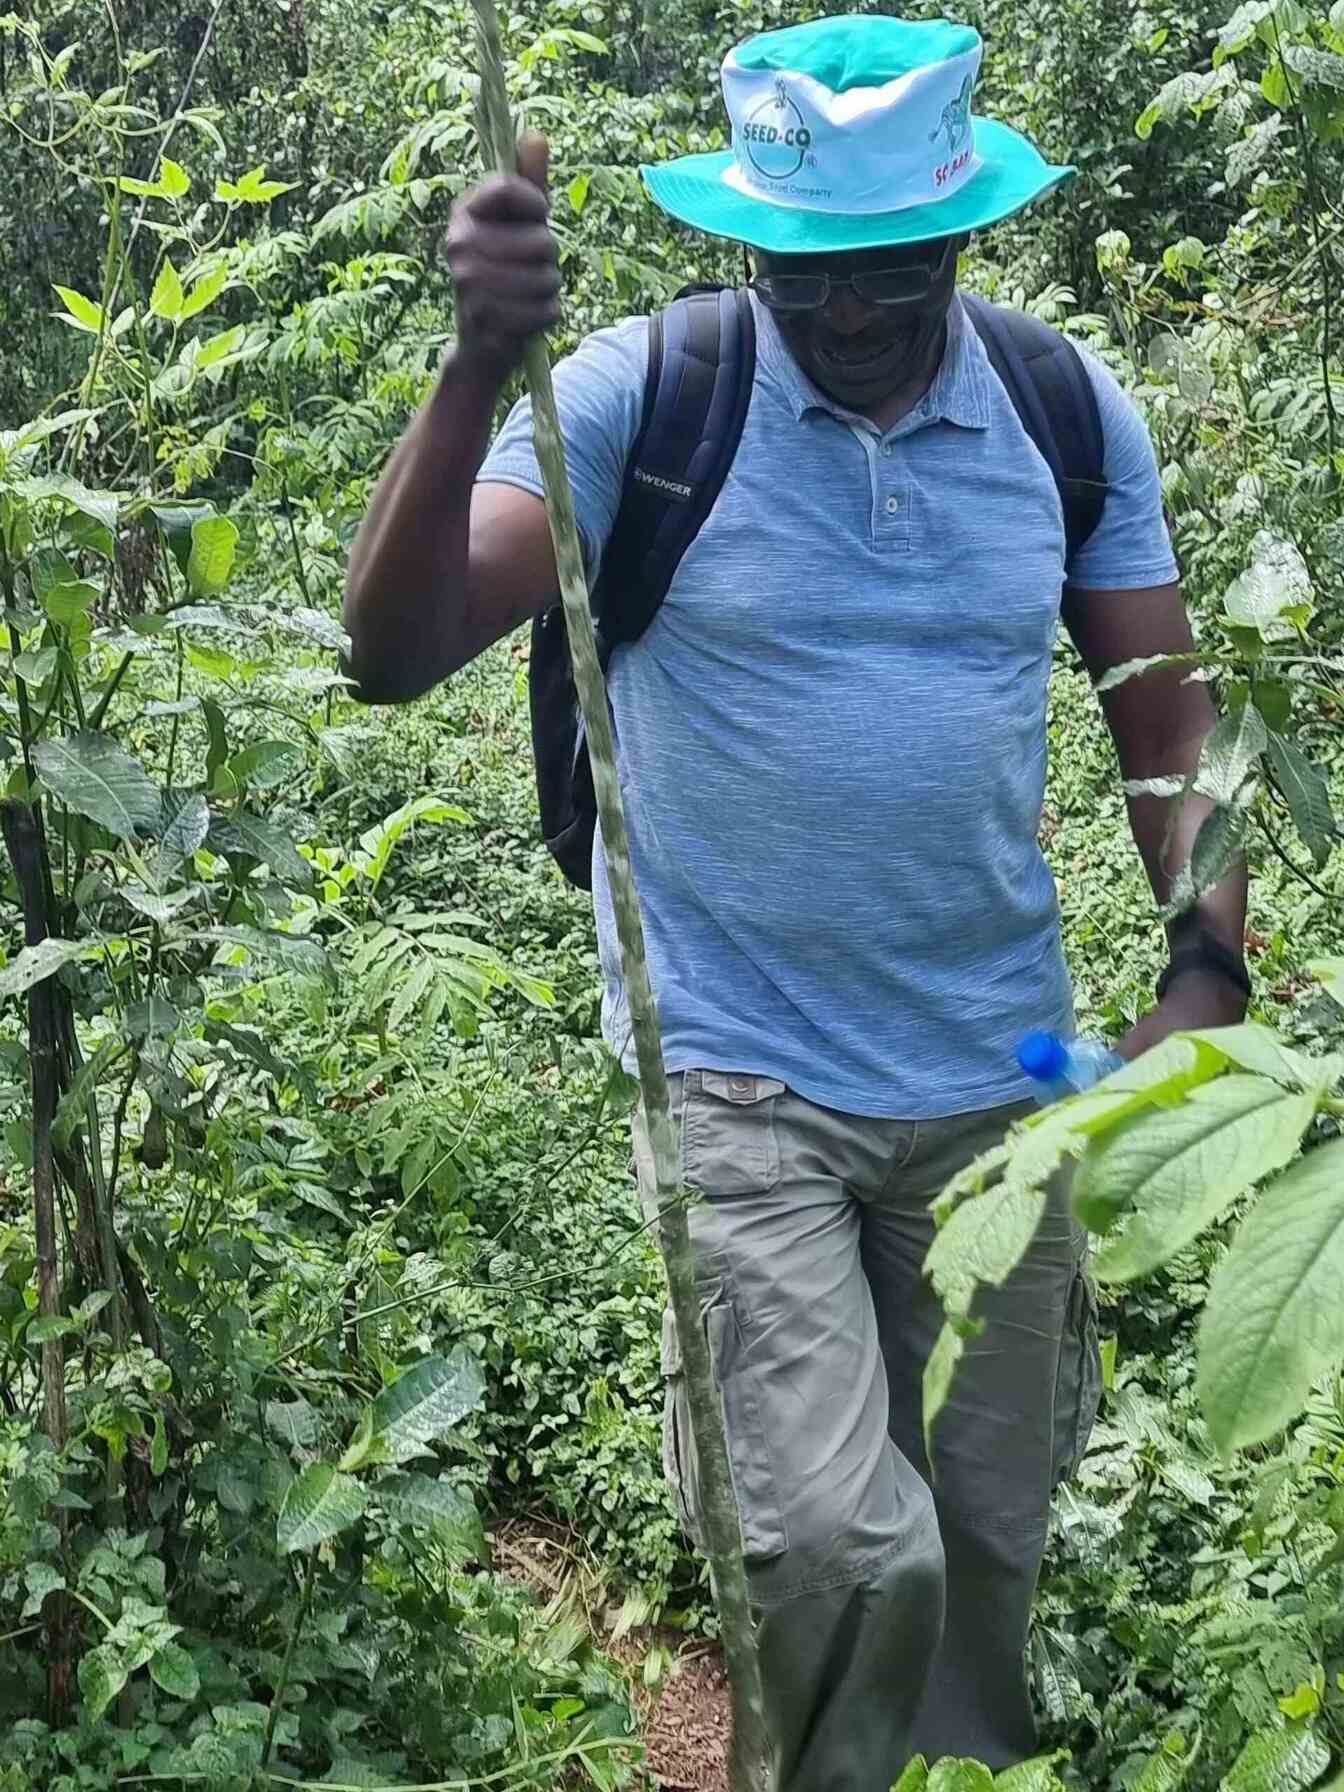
pixel 857 149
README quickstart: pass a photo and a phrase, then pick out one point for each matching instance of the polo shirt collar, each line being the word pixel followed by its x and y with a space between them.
pixel 959 394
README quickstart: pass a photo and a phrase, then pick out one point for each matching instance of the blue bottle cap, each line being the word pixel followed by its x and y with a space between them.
pixel 1043 1056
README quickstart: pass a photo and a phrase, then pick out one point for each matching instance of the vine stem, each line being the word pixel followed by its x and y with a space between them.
pixel 300 1619
pixel 749 1755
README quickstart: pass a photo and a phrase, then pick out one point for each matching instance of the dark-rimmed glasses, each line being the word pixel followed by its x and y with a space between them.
pixel 904 285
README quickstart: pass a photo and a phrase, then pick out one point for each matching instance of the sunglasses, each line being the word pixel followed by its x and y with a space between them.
pixel 904 285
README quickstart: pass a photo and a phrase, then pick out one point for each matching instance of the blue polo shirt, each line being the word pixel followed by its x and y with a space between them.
pixel 832 738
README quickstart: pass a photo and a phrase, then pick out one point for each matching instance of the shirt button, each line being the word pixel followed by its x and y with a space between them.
pixel 888 449
pixel 893 505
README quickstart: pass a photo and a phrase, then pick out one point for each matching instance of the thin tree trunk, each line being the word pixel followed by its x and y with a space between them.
pixel 24 842
pixel 749 1757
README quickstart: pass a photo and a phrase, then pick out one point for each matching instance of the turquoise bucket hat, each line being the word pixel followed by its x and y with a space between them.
pixel 854 133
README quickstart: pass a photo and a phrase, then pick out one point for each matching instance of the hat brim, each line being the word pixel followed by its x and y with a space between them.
pixel 1012 174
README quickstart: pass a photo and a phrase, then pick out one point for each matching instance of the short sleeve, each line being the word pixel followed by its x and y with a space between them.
pixel 1130 549
pixel 599 392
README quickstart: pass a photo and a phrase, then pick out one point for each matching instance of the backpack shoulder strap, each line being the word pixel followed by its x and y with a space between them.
pixel 702 361
pixel 1052 393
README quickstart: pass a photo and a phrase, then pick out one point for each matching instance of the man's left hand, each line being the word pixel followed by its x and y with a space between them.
pixel 1197 999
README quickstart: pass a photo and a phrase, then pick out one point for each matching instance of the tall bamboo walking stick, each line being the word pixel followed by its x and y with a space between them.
pixel 749 1755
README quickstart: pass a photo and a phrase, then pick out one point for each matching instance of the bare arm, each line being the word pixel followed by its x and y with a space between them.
pixel 1159 723
pixel 442 567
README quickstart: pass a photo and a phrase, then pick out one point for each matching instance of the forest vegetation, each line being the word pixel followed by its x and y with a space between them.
pixel 321 1269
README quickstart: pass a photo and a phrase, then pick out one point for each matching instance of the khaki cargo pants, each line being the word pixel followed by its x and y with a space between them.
pixel 892 1613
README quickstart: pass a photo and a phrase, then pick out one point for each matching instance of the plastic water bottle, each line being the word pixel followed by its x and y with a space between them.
pixel 1058 1068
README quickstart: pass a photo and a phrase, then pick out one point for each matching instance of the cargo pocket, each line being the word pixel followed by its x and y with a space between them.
pixel 763 1532
pixel 728 1143
pixel 1078 1382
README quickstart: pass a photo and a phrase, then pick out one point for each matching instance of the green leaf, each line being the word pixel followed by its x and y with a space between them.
pixel 50 1327
pixel 1331 973
pixel 1127 669
pixel 1036 1775
pixel 166 299
pixel 158 1450
pixel 176 521
pixel 578 191
pixel 266 762
pixel 94 777
pixel 1274 584
pixel 914 1776
pixel 939 1372
pixel 952 1775
pixel 377 843
pixel 446 1511
pixel 101 1677
pixel 205 291
pixel 83 312
pixel 72 1110
pixel 35 964
pixel 1164 1771
pixel 251 188
pixel 292 951
pixel 294 1422
pixel 1274 699
pixel 92 1305
pixel 151 1018
pixel 99 507
pixel 1315 68
pixel 1231 753
pixel 218 749
pixel 409 994
pixel 1307 795
pixel 36 667
pixel 156 907
pixel 248 836
pixel 1274 1321
pixel 63 603
pixel 1259 1050
pixel 41 429
pixel 1217 846
pixel 220 347
pixel 184 821
pixel 252 1046
pixel 1178 1169
pixel 174 179
pixel 173 1670
pixel 1303 1701
pixel 984 1239
pixel 320 1503
pixel 315 625
pixel 213 661
pixel 426 1401
pixel 317 1196
pixel 214 543
pixel 1283 1760
pixel 40 1578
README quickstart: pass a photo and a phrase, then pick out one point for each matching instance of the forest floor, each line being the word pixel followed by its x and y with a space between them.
pixel 684 1718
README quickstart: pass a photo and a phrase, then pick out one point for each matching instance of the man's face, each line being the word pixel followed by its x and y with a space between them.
pixel 861 353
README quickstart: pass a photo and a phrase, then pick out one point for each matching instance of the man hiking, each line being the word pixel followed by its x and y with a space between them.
pixel 832 742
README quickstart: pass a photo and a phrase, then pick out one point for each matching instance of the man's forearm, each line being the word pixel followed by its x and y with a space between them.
pixel 1165 830
pixel 407 590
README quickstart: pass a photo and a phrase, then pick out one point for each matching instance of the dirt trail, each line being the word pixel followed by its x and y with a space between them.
pixel 683 1720
pixel 686 1726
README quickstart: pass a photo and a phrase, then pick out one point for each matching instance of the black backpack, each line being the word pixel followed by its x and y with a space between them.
pixel 702 359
